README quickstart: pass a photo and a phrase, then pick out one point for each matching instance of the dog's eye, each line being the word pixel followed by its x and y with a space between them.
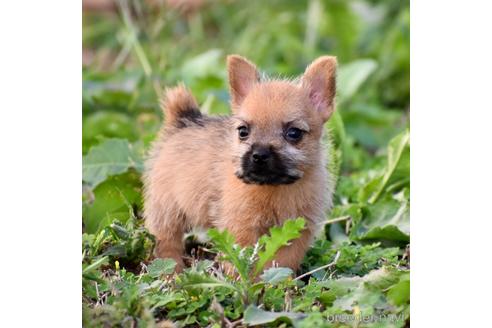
pixel 294 134
pixel 243 132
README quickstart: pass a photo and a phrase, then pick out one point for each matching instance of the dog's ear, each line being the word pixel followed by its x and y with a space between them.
pixel 242 76
pixel 319 79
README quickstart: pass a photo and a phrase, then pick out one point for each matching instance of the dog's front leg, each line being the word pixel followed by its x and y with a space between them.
pixel 167 224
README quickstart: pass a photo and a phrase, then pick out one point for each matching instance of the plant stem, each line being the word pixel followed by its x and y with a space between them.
pixel 320 268
pixel 339 219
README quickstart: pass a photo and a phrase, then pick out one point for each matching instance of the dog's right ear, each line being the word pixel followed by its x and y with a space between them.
pixel 242 76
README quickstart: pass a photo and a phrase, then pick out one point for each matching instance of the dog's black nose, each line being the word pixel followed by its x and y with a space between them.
pixel 261 155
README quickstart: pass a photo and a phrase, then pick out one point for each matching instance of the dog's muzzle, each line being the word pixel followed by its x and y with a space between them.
pixel 262 165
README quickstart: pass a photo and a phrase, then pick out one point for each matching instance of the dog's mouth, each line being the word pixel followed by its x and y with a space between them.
pixel 264 178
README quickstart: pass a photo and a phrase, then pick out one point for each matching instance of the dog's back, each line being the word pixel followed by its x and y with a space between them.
pixel 183 170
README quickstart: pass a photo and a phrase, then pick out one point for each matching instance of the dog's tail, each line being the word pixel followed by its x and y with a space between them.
pixel 179 107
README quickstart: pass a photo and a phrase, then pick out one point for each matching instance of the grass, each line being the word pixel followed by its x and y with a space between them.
pixel 357 271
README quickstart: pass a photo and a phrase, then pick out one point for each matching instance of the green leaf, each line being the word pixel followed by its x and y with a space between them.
pixel 107 124
pixel 112 199
pixel 276 275
pixel 367 293
pixel 279 236
pixel 354 259
pixel 399 294
pixel 352 75
pixel 95 265
pixel 129 244
pixel 224 243
pixel 160 267
pixel 161 300
pixel 195 280
pixel 396 172
pixel 117 251
pixel 112 157
pixel 335 139
pixel 254 316
pixel 388 219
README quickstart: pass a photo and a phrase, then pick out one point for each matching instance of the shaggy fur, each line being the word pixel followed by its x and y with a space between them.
pixel 201 173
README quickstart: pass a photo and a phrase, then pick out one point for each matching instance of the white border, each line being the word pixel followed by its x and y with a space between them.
pixel 40 166
pixel 451 163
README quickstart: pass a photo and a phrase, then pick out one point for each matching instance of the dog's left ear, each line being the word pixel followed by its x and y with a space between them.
pixel 242 76
pixel 320 81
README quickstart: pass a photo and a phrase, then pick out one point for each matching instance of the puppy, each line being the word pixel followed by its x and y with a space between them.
pixel 246 172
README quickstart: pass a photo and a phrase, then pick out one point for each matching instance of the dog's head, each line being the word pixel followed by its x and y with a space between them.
pixel 279 123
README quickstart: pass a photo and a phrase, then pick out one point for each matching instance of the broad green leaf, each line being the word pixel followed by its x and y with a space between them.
pixel 398 163
pixel 399 294
pixel 254 316
pixel 112 199
pixel 276 275
pixel 388 219
pixel 383 278
pixel 107 124
pixel 160 267
pixel 112 157
pixel 396 173
pixel 352 75
pixel 278 237
pixel 113 91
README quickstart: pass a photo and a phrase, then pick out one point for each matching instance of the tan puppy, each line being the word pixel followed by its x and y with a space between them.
pixel 247 172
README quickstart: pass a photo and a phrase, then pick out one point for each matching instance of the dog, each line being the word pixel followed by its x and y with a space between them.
pixel 247 172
